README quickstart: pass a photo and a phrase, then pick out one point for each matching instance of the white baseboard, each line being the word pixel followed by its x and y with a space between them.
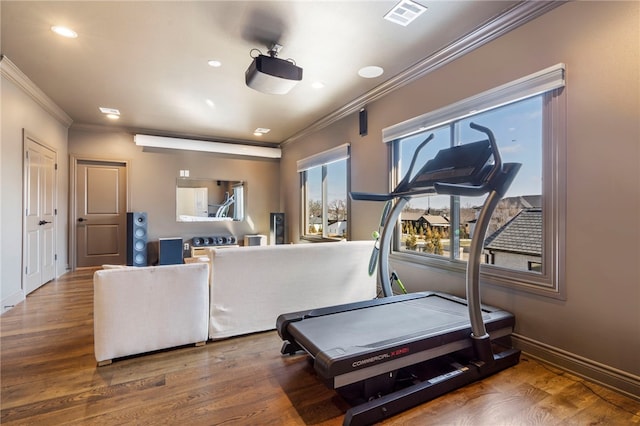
pixel 618 380
pixel 11 301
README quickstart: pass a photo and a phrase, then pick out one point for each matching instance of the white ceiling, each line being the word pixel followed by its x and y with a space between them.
pixel 149 59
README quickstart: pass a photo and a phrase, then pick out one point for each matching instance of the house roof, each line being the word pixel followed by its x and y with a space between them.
pixel 525 201
pixel 431 219
pixel 522 234
pixel 434 220
pixel 412 216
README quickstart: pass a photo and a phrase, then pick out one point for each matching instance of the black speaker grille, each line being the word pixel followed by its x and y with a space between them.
pixel 137 239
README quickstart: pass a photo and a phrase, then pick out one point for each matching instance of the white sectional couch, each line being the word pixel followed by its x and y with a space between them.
pixel 139 310
pixel 251 286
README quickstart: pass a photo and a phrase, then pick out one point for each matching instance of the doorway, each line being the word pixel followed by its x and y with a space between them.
pixel 39 234
pixel 98 212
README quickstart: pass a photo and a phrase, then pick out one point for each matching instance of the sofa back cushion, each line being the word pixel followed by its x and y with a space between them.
pixel 251 286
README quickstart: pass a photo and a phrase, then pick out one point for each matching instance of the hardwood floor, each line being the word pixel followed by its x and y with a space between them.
pixel 49 377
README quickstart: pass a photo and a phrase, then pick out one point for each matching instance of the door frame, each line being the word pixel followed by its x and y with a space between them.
pixel 26 137
pixel 74 159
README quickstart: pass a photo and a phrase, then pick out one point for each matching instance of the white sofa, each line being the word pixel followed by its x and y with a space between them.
pixel 251 286
pixel 139 310
pixel 143 309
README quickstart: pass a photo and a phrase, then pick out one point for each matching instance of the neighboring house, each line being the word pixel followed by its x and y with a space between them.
pixel 315 223
pixel 431 221
pixel 337 228
pixel 518 244
pixel 509 206
pixel 411 218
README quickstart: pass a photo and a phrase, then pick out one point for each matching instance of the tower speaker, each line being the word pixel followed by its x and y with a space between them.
pixel 137 238
pixel 276 228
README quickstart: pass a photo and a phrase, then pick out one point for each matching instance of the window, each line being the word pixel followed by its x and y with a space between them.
pixel 525 242
pixel 324 183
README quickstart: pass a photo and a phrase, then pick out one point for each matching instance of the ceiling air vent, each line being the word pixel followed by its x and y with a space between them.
pixel 405 12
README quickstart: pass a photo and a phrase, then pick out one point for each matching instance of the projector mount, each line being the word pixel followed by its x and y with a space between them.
pixel 273 52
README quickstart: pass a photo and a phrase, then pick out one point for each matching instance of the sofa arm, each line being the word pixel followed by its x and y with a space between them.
pixel 139 310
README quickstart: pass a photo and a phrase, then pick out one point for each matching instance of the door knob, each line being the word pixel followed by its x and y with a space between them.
pixel 81 219
pixel 42 222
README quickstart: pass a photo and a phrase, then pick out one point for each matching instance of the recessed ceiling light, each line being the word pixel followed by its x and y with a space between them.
pixel 317 85
pixel 106 110
pixel 64 31
pixel 405 12
pixel 260 131
pixel 370 71
pixel 210 103
pixel 214 63
pixel 111 113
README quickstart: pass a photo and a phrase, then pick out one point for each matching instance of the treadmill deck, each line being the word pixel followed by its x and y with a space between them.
pixel 387 335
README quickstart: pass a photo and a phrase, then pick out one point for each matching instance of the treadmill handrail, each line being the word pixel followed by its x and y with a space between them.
pixel 404 183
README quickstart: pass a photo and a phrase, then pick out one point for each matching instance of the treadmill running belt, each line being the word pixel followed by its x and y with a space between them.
pixel 352 332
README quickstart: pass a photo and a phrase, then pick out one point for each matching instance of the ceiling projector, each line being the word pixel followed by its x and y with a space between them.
pixel 269 74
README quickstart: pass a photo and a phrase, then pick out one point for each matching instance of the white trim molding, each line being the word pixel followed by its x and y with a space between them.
pixel 9 70
pixel 618 380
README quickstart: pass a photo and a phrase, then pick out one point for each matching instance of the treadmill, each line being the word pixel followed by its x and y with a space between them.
pixel 389 354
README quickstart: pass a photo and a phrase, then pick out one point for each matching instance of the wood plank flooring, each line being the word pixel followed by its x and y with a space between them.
pixel 49 377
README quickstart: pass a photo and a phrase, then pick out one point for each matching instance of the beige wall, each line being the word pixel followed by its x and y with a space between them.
pixel 599 42
pixel 152 182
pixel 19 111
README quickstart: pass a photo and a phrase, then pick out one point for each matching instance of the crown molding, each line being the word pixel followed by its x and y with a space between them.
pixel 510 19
pixel 10 71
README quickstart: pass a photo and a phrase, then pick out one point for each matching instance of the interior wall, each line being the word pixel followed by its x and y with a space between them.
pixel 20 111
pixel 600 43
pixel 153 173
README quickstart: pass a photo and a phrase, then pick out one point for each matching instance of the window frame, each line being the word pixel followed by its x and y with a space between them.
pixel 323 159
pixel 550 84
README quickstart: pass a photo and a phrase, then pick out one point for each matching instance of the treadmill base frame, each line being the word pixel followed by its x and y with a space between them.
pixel 459 375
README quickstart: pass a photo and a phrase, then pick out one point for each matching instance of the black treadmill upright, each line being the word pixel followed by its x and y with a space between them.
pixel 389 354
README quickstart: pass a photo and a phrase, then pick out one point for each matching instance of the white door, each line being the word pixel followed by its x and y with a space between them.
pixel 39 257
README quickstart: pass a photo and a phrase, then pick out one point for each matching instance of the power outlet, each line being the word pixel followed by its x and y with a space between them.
pixel 185 247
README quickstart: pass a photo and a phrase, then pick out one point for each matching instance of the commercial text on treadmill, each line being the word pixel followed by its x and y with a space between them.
pixel 380 357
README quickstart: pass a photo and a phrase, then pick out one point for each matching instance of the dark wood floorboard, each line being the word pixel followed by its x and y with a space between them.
pixel 49 377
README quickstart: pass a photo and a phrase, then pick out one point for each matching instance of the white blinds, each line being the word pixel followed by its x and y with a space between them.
pixel 330 156
pixel 534 84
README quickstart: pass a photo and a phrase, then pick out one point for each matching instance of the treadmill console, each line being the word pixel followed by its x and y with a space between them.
pixel 463 164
